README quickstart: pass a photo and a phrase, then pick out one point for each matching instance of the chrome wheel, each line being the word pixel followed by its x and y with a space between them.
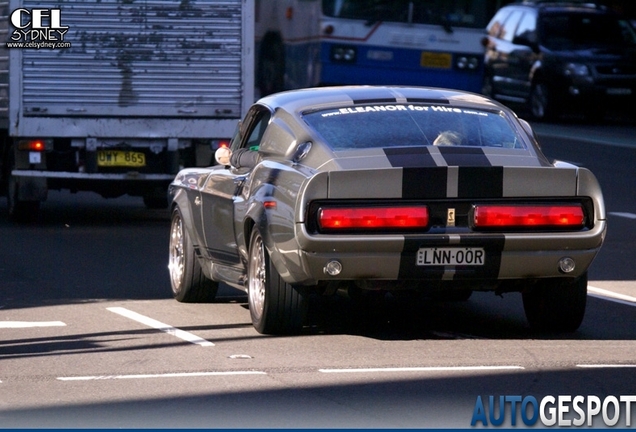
pixel 276 307
pixel 257 279
pixel 176 262
pixel 189 282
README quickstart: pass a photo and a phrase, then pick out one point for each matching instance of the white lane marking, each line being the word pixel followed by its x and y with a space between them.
pixel 599 366
pixel 624 214
pixel 611 296
pixel 422 369
pixel 160 326
pixel 165 375
pixel 28 324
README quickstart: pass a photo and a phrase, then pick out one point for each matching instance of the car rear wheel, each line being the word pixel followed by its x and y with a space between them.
pixel 189 284
pixel 556 305
pixel 276 307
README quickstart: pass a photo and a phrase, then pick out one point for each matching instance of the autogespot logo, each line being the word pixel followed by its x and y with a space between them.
pixel 562 410
pixel 37 28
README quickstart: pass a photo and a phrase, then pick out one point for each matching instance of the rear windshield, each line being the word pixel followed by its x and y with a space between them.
pixel 408 125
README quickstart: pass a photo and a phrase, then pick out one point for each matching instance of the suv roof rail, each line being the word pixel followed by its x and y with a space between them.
pixel 583 3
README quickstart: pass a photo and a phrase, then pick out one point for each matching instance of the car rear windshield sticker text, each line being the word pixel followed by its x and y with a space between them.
pixel 385 108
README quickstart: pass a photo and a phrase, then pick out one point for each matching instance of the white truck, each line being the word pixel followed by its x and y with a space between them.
pixel 115 96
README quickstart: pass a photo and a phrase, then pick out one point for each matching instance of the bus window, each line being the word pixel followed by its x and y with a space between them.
pixel 465 13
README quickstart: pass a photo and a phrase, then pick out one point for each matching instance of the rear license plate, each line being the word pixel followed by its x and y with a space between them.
pixel 118 158
pixel 436 60
pixel 450 256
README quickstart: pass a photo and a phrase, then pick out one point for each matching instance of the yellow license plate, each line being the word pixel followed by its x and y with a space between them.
pixel 118 158
pixel 436 60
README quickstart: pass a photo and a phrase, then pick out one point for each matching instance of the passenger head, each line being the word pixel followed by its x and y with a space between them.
pixel 448 138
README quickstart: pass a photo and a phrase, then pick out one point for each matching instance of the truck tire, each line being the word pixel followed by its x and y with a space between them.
pixel 189 284
pixel 276 307
pixel 18 210
pixel 556 305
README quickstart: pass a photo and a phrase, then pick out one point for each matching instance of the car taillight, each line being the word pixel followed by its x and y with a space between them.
pixel 373 217
pixel 521 216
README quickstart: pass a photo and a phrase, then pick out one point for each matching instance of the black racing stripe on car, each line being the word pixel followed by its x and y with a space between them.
pixel 418 183
pixel 480 182
pixel 376 100
pixel 408 259
pixel 428 101
pixel 492 244
pixel 403 157
pixel 464 156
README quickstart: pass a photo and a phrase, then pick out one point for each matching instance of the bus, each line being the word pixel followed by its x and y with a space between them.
pixel 307 43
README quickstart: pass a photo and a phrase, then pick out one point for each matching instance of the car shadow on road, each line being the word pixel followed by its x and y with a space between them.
pixel 483 316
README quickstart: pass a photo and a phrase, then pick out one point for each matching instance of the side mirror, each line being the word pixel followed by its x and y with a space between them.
pixel 222 155
pixel 528 39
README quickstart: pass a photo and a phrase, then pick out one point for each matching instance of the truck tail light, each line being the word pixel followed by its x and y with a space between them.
pixel 218 143
pixel 343 218
pixel 529 216
pixel 32 145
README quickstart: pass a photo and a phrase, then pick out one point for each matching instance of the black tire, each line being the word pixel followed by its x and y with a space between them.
pixel 543 107
pixel 276 307
pixel 189 284
pixel 19 211
pixel 556 305
pixel 271 65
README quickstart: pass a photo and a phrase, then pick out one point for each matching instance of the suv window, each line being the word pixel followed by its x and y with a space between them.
pixel 561 31
pixel 527 28
pixel 510 25
pixel 495 25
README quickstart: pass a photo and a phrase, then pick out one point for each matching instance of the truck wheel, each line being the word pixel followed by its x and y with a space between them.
pixel 189 284
pixel 276 307
pixel 19 210
pixel 556 305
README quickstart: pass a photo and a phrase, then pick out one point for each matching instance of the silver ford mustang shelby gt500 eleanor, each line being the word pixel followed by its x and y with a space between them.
pixel 385 188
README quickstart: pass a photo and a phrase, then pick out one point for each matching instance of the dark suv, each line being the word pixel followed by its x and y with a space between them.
pixel 558 57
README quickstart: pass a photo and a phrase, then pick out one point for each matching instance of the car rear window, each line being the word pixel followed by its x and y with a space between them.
pixel 407 125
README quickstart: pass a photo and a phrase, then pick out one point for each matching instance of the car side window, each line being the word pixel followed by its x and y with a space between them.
pixel 496 24
pixel 510 25
pixel 251 129
pixel 257 132
pixel 527 29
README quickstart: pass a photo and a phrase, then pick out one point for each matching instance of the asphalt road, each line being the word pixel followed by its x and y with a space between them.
pixel 90 337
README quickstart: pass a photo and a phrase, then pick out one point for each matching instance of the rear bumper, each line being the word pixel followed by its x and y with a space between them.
pixel 507 256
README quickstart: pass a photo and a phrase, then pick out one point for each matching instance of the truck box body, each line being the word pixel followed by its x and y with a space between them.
pixel 131 92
